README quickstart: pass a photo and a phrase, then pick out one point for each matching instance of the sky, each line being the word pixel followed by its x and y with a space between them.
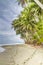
pixel 9 10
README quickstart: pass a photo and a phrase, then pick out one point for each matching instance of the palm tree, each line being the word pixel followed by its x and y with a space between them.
pixel 38 2
pixel 27 23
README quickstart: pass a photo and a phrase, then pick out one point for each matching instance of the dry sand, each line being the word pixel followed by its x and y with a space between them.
pixel 21 55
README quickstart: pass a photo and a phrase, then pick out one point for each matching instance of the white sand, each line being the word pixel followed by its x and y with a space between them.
pixel 22 55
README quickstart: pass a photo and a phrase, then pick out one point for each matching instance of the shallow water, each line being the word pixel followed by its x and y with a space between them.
pixel 2 49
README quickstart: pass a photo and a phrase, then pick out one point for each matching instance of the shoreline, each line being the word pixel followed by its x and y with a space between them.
pixel 21 44
pixel 11 44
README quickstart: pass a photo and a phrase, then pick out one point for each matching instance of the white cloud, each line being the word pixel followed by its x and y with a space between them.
pixel 7 32
pixel 8 12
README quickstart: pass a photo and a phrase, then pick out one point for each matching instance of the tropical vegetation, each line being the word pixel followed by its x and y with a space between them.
pixel 29 23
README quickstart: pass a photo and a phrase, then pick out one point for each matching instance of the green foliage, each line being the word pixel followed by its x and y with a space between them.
pixel 24 2
pixel 30 24
pixel 41 1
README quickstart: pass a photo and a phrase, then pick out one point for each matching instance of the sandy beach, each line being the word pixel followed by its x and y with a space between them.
pixel 21 55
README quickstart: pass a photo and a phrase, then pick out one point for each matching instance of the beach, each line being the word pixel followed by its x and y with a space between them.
pixel 22 54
